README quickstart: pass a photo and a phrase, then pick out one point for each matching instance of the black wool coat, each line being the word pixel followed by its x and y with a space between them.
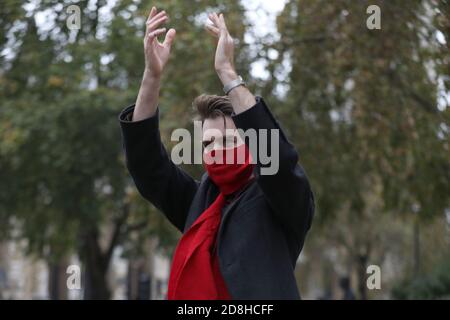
pixel 262 230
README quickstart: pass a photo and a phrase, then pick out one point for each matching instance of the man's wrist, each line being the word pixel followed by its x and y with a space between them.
pixel 227 75
pixel 148 76
pixel 151 83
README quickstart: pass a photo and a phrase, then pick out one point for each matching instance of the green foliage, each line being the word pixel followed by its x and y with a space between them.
pixel 365 104
pixel 59 167
pixel 362 108
pixel 63 178
pixel 434 285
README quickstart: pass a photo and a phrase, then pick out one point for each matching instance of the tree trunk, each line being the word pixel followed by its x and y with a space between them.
pixel 95 283
pixel 362 286
pixel 132 279
pixel 96 261
pixel 416 248
pixel 95 268
pixel 57 280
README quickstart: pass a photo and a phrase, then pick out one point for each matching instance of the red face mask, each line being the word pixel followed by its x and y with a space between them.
pixel 230 169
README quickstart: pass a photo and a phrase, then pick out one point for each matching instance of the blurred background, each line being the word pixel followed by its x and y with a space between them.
pixel 368 111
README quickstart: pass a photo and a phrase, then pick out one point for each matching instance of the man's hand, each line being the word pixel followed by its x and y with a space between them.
pixel 224 59
pixel 156 57
pixel 157 53
pixel 241 98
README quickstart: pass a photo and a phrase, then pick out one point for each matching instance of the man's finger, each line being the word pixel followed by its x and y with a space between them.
pixel 213 30
pixel 152 35
pixel 215 19
pixel 156 23
pixel 170 35
pixel 153 12
pixel 156 16
pixel 149 23
pixel 222 21
pixel 220 24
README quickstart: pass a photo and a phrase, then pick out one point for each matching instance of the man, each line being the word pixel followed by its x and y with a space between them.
pixel 242 230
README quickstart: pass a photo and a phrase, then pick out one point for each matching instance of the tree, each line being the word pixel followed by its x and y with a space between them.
pixel 64 184
pixel 361 105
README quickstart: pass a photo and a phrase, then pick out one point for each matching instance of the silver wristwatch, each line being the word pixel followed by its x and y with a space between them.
pixel 233 84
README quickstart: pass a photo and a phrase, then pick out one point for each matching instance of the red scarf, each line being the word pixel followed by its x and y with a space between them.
pixel 195 273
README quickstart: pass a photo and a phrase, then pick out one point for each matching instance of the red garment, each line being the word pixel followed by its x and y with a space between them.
pixel 195 273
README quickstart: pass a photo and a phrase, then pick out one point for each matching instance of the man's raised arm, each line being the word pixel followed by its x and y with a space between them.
pixel 157 178
pixel 156 57
pixel 287 191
